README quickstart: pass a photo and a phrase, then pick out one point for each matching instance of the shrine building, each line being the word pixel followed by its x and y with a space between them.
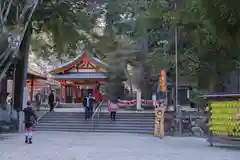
pixel 80 76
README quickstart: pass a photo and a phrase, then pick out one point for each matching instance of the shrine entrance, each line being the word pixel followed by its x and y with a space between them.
pixel 82 75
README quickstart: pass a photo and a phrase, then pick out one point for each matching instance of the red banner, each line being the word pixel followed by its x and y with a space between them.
pixel 129 103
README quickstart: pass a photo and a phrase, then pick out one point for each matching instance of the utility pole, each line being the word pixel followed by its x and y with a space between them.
pixel 178 108
pixel 165 42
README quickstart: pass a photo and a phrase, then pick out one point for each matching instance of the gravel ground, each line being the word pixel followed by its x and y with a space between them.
pixel 106 146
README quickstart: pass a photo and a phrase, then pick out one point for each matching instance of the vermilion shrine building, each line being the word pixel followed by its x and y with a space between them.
pixel 83 74
pixel 34 81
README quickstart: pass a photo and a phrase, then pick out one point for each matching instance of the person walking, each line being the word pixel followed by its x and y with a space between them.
pixel 112 108
pixel 29 119
pixel 44 100
pixel 88 104
pixel 51 101
pixel 38 101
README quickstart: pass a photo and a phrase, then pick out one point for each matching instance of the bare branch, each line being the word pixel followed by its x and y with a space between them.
pixel 7 11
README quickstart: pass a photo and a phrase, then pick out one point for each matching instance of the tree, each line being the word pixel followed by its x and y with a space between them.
pixel 225 17
pixel 56 18
pixel 14 26
pixel 214 59
pixel 50 21
pixel 144 19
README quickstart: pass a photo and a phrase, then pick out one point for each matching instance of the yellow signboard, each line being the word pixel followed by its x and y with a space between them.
pixel 224 118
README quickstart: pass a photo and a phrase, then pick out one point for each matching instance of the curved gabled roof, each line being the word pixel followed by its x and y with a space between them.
pixel 36 74
pixel 76 60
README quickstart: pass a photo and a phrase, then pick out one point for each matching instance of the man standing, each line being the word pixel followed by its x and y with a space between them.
pixel 88 104
pixel 51 101
pixel 38 101
pixel 44 100
pixel 30 118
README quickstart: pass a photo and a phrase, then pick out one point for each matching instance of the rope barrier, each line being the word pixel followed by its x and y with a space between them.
pixel 129 103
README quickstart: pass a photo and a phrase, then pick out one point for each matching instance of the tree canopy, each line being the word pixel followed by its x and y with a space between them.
pixel 140 33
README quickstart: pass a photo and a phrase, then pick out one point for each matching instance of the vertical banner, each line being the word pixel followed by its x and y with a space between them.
pixel 163 85
pixel 163 81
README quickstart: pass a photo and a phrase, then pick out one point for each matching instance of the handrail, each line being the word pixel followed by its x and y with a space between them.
pixel 97 111
pixel 98 108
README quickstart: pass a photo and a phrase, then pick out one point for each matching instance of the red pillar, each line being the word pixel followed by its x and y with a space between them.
pixel 65 93
pixel 31 89
pixel 73 94
pixel 76 92
pixel 60 96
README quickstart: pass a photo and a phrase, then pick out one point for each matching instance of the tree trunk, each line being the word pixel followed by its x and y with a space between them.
pixel 144 83
pixel 212 84
pixel 21 69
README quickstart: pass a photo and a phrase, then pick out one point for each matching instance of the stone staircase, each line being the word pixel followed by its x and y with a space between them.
pixel 74 122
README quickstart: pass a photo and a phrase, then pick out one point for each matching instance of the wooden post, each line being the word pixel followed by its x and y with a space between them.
pixel 159 121
pixel 31 88
pixel 60 96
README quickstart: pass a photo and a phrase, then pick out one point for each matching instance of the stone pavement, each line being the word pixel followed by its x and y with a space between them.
pixel 105 146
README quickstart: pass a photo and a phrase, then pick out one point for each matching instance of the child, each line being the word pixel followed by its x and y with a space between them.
pixel 30 119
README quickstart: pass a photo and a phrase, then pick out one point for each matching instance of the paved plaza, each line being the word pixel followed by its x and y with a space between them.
pixel 105 146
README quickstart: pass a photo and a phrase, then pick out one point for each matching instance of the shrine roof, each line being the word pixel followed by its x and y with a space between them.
pixel 36 75
pixel 80 76
pixel 77 59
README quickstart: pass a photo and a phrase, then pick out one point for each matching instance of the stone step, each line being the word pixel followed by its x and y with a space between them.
pixel 125 115
pixel 95 130
pixel 101 118
pixel 106 130
pixel 95 118
pixel 151 128
pixel 102 114
pixel 79 112
pixel 100 121
pixel 75 121
pixel 96 124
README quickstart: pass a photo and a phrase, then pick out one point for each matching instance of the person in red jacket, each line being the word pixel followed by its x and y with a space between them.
pixel 97 94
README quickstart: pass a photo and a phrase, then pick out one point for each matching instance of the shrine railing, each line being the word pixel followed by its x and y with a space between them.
pixel 96 112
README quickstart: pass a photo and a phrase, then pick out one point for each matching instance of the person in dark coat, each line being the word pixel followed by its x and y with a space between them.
pixel 38 101
pixel 29 119
pixel 51 101
pixel 88 104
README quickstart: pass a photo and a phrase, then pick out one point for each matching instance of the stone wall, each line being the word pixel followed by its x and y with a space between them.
pixel 7 113
pixel 8 119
